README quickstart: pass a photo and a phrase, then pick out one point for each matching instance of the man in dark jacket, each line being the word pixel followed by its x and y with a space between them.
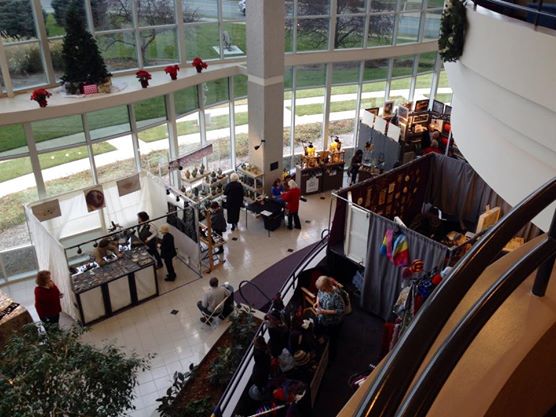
pixel 168 251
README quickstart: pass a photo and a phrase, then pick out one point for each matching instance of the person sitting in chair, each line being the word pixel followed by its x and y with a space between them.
pixel 212 303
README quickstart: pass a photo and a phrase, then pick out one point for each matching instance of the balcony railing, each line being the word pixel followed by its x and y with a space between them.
pixel 393 392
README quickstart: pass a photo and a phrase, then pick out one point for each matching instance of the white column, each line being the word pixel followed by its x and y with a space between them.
pixel 265 68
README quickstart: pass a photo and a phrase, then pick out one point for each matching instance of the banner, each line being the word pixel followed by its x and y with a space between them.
pixel 94 198
pixel 47 210
pixel 128 185
pixel 191 157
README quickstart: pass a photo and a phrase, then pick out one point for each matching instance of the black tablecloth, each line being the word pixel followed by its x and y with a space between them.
pixel 273 221
pixel 269 205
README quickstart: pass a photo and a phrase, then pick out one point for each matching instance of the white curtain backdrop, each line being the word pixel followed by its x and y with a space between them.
pixel 51 256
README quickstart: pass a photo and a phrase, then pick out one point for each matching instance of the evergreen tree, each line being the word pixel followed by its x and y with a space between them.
pixel 16 19
pixel 82 59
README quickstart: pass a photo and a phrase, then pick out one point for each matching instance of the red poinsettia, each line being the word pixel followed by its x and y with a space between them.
pixel 199 64
pixel 172 70
pixel 40 95
pixel 143 75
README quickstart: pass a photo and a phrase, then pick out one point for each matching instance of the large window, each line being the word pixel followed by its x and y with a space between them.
pixel 217 121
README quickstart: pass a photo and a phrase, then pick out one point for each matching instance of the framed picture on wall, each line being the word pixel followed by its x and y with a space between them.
pixel 447 110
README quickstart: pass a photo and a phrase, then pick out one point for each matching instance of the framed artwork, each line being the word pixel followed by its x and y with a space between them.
pixel 94 197
pixel 421 105
pixel 47 210
pixel 420 118
pixel 437 107
pixel 403 113
pixel 447 110
pixel 382 197
pixel 388 108
pixel 390 198
pixel 128 185
pixel 373 110
pixel 391 187
pixel 369 194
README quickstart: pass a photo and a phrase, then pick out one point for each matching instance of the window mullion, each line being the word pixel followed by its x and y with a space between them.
pixel 138 43
pixel 6 71
pixel 43 41
pixel 35 163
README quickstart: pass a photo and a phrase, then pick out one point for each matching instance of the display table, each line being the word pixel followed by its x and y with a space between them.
pixel 127 281
pixel 271 211
pixel 320 179
pixel 13 316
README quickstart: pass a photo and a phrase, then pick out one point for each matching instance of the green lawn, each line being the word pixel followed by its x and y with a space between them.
pixel 189 127
pixel 17 167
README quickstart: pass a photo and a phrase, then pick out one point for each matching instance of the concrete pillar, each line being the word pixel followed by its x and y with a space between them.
pixel 265 68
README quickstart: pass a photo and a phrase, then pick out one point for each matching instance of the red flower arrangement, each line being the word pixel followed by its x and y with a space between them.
pixel 40 95
pixel 199 64
pixel 144 77
pixel 172 70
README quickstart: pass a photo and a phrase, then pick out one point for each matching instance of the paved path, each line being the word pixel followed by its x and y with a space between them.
pixel 124 147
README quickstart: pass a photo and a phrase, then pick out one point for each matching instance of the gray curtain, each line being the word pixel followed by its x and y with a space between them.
pixel 459 191
pixel 382 278
pixel 383 145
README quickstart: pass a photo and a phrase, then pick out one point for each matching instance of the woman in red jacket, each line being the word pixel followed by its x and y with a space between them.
pixel 47 299
pixel 291 197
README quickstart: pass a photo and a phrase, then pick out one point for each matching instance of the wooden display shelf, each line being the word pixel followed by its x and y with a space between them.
pixel 192 180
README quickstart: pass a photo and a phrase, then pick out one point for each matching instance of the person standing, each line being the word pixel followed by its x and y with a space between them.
pixel 234 199
pixel 292 197
pixel 356 162
pixel 218 223
pixel 148 237
pixel 47 299
pixel 330 308
pixel 168 251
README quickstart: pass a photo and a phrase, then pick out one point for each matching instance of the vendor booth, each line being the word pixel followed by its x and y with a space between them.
pixel 66 231
pixel 431 209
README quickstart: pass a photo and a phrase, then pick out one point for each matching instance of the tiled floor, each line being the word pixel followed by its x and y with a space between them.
pixel 181 339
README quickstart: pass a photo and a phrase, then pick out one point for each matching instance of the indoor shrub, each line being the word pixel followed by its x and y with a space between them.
pixel 54 374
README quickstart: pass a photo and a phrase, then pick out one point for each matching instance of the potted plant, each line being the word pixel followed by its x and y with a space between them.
pixel 172 70
pixel 40 95
pixel 144 77
pixel 199 64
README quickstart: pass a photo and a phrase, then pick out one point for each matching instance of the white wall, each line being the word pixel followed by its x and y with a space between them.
pixel 504 109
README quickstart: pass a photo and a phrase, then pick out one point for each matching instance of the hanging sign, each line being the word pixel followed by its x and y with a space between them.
pixel 128 185
pixel 47 210
pixel 184 160
pixel 94 197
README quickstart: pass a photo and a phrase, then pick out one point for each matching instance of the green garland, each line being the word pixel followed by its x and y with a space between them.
pixel 453 26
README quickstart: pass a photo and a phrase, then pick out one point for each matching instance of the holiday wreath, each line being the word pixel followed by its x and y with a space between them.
pixel 453 26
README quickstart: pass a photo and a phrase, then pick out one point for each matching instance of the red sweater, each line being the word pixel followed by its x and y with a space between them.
pixel 292 197
pixel 47 301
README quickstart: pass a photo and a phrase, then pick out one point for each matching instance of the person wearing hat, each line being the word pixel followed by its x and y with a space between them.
pixel 234 199
pixel 301 358
pixel 168 252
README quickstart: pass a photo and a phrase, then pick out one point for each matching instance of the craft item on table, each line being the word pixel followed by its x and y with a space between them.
pixel 201 169
pixel 194 172
pixel 187 174
pixel 287 362
pixel 90 89
pixel 301 358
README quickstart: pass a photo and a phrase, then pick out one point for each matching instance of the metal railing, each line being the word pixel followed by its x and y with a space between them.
pixel 538 12
pixel 392 392
pixel 241 371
